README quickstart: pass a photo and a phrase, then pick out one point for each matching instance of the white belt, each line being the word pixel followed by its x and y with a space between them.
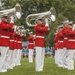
pixel 60 41
pixel 30 43
pixel 39 36
pixel 11 40
pixel 5 36
pixel 19 42
pixel 65 38
pixel 71 40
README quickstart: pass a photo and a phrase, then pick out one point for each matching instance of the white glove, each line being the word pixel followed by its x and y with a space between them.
pixel 11 19
pixel 46 22
pixel 0 20
pixel 47 25
pixel 73 27
pixel 34 36
pixel 13 27
pixel 48 28
pixel 21 34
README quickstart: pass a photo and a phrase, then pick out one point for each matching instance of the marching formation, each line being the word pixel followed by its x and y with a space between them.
pixel 11 40
pixel 65 45
pixel 10 44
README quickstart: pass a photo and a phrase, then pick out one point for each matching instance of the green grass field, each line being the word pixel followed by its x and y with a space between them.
pixel 29 69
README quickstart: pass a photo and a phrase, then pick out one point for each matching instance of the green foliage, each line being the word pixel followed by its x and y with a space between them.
pixel 64 10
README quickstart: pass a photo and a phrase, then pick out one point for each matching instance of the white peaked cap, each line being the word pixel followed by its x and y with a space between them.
pixel 61 26
pixel 71 22
pixel 39 18
pixel 66 22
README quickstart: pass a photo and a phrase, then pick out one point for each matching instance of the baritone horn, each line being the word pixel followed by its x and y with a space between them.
pixel 48 16
pixel 16 11
pixel 21 30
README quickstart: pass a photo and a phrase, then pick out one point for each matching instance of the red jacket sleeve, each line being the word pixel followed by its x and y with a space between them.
pixel 65 30
pixel 47 31
pixel 30 38
pixel 6 26
pixel 41 29
pixel 60 34
pixel 71 32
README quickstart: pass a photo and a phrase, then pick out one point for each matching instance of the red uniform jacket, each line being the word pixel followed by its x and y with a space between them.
pixel 11 44
pixel 64 31
pixel 15 41
pixel 40 31
pixel 19 41
pixel 31 42
pixel 60 38
pixel 71 39
pixel 5 34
